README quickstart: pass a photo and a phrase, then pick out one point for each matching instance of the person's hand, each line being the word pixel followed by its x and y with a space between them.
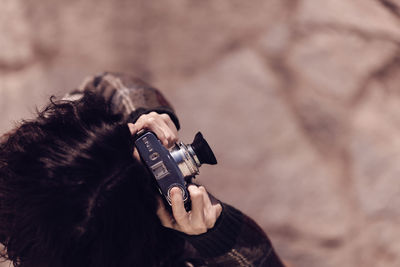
pixel 202 217
pixel 160 124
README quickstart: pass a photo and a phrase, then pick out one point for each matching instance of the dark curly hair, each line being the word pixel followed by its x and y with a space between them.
pixel 71 194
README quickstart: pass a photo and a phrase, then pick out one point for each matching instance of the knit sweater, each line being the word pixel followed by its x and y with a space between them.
pixel 235 240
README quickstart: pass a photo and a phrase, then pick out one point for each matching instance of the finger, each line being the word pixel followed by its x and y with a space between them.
pixel 171 126
pixel 160 124
pixel 151 123
pixel 156 124
pixel 161 134
pixel 218 210
pixel 164 216
pixel 166 125
pixel 196 195
pixel 178 208
pixel 138 125
pixel 210 215
pixel 170 137
pixel 136 154
pixel 207 201
pixel 132 128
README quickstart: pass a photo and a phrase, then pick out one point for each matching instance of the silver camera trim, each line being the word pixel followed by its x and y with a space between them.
pixel 186 159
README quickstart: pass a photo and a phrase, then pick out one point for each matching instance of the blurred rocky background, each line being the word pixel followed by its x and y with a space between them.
pixel 300 99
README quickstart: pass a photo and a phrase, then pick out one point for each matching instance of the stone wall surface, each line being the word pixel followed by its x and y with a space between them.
pixel 300 100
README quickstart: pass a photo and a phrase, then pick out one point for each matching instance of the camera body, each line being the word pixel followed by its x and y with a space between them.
pixel 174 167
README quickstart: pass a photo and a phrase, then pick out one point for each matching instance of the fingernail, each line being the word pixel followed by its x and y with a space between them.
pixel 176 190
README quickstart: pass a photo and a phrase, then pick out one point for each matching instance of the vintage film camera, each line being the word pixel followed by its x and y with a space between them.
pixel 176 166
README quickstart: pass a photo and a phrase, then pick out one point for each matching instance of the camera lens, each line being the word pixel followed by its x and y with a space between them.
pixel 203 150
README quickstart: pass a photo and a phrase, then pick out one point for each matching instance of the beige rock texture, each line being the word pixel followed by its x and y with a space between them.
pixel 300 100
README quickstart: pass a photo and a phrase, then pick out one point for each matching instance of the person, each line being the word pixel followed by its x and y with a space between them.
pixel 73 191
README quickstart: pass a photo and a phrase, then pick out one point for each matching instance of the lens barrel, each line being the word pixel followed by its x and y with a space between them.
pixel 191 156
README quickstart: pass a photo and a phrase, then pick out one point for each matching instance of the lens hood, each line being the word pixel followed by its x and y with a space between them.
pixel 203 150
